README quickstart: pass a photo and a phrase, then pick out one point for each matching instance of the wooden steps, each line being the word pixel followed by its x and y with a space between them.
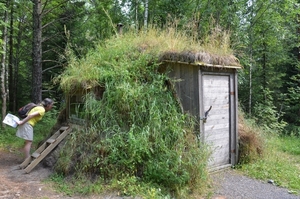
pixel 37 156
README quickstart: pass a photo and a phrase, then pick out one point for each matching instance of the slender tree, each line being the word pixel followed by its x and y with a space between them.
pixel 146 14
pixel 37 52
pixel 3 63
pixel 11 83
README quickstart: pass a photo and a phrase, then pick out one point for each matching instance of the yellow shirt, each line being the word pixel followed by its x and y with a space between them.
pixel 34 120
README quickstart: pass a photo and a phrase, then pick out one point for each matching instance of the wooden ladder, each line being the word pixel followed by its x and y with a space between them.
pixel 37 156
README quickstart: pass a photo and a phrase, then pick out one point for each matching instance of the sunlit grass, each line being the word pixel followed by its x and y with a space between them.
pixel 126 51
pixel 280 163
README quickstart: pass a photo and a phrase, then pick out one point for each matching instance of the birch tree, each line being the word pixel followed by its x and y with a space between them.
pixel 3 62
pixel 146 14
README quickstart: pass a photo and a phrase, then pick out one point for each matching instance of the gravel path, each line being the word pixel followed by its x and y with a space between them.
pixel 232 185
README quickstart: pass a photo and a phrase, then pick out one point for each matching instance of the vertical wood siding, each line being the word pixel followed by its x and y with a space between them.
pixel 186 86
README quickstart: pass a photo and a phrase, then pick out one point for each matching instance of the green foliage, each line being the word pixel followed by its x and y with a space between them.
pixel 130 186
pixel 292 99
pixel 8 138
pixel 126 186
pixel 60 184
pixel 268 52
pixel 289 144
pixel 81 185
pixel 292 130
pixel 133 51
pixel 137 131
pixel 267 116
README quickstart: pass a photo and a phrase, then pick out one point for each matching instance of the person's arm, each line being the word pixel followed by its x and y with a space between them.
pixel 34 114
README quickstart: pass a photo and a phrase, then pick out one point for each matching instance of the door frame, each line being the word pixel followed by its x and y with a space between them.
pixel 233 113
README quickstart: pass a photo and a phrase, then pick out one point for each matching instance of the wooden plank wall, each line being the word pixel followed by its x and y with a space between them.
pixel 221 93
pixel 186 86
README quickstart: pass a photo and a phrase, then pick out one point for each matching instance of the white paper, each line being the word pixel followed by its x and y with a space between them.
pixel 11 120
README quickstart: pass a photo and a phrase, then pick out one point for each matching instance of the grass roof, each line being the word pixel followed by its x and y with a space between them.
pixel 139 49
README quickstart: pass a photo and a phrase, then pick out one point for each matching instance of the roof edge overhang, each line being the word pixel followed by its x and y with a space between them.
pixel 204 64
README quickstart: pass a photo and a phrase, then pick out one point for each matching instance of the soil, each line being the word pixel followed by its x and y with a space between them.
pixel 15 183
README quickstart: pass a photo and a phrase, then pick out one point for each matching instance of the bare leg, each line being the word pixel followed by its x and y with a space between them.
pixel 26 148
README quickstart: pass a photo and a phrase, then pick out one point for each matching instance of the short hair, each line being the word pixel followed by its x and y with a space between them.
pixel 47 101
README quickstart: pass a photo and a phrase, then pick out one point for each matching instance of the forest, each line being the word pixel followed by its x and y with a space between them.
pixel 42 38
pixel 263 34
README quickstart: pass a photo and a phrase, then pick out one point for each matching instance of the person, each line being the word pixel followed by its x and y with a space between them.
pixel 25 126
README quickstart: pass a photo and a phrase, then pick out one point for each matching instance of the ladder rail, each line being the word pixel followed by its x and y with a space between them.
pixel 45 149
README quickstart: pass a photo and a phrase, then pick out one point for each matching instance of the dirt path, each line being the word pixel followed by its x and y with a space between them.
pixel 15 183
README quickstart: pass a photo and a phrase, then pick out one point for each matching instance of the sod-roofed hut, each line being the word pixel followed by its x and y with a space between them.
pixel 203 83
pixel 206 86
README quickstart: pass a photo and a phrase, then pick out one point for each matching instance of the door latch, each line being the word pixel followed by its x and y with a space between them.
pixel 206 115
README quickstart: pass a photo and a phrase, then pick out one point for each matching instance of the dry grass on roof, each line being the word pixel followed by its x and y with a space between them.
pixel 202 57
pixel 177 46
pixel 138 49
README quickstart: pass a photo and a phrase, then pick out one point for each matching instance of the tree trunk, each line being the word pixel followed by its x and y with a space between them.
pixel 264 64
pixel 37 52
pixel 146 14
pixel 3 64
pixel 136 15
pixel 11 83
pixel 298 30
pixel 250 78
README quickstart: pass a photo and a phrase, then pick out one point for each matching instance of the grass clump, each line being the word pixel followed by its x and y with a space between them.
pixel 136 139
pixel 251 141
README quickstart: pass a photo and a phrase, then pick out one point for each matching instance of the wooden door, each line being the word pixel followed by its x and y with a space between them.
pixel 216 127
